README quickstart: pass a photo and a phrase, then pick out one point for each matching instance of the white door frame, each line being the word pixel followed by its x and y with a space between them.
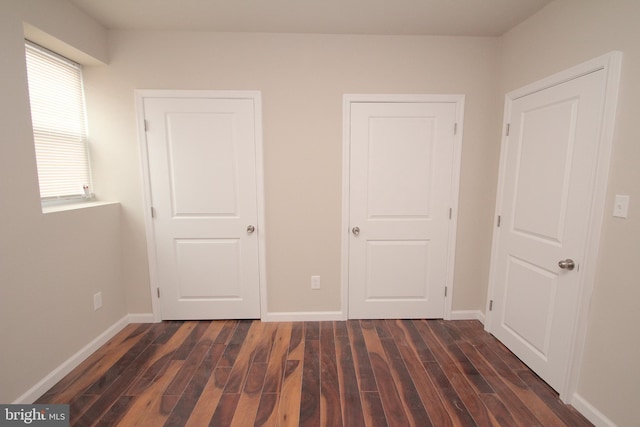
pixel 348 99
pixel 254 96
pixel 611 64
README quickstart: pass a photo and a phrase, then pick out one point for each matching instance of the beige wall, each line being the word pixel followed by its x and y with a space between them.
pixel 563 34
pixel 53 264
pixel 63 28
pixel 302 79
pixel 50 265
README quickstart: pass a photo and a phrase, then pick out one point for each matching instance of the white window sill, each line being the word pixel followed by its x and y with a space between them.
pixel 74 206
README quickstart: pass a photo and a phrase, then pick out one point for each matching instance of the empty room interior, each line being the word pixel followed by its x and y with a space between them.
pixel 323 214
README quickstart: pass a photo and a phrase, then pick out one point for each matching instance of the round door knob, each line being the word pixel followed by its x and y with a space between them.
pixel 566 264
pixel 250 229
pixel 355 231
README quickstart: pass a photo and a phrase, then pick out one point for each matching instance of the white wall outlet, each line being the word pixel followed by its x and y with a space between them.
pixel 621 206
pixel 315 282
pixel 97 300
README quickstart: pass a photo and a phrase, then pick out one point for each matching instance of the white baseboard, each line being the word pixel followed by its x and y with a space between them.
pixel 338 315
pixel 141 318
pixel 468 315
pixel 71 363
pixel 590 412
pixel 312 316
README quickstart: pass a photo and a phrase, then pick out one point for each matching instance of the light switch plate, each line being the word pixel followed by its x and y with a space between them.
pixel 621 206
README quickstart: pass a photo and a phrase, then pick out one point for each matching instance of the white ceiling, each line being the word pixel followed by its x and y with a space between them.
pixel 419 17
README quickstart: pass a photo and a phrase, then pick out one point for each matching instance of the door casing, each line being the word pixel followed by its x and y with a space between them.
pixel 348 99
pixel 611 64
pixel 255 96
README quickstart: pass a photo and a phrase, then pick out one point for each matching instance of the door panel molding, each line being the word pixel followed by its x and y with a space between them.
pixel 348 100
pixel 256 99
pixel 611 65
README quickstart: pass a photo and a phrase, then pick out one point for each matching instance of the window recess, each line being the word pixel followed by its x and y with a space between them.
pixel 59 125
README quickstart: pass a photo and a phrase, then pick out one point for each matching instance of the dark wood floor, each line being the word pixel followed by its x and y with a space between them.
pixel 354 373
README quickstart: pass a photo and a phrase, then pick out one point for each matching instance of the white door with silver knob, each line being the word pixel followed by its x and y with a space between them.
pixel 545 196
pixel 401 186
pixel 202 155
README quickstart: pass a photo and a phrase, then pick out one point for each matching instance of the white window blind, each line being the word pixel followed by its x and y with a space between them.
pixel 59 125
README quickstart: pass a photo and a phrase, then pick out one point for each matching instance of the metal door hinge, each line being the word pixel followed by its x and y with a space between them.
pixel 455 128
pixel 450 212
pixel 491 305
pixel 153 212
pixel 445 291
pixel 158 289
pixel 508 128
pixel 499 220
pixel 146 126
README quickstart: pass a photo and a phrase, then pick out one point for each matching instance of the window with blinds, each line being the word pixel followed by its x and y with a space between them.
pixel 59 124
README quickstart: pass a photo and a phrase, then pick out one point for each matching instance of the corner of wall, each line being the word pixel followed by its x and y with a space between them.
pixel 46 23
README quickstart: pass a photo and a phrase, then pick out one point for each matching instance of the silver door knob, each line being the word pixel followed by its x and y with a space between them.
pixel 566 264
pixel 250 229
pixel 355 231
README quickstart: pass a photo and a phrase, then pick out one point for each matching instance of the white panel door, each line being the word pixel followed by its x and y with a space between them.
pixel 548 174
pixel 401 163
pixel 202 168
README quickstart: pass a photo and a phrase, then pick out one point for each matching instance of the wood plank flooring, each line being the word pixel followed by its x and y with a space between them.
pixel 351 374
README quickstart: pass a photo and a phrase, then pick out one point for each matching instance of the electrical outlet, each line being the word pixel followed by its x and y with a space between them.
pixel 315 282
pixel 97 300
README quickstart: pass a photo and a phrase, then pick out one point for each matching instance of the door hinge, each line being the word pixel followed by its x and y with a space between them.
pixel 153 212
pixel 455 128
pixel 491 305
pixel 445 291
pixel 146 125
pixel 158 289
pixel 450 212
pixel 508 128
pixel 499 220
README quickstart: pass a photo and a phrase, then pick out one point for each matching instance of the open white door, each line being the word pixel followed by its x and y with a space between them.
pixel 402 192
pixel 204 192
pixel 547 205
